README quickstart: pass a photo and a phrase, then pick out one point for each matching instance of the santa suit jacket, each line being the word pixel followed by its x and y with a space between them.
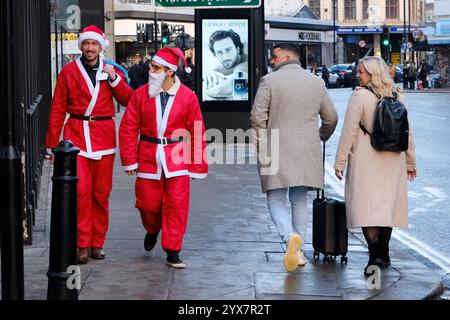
pixel 76 94
pixel 182 118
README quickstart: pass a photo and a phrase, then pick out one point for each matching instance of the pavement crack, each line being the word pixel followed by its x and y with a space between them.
pixel 172 281
pixel 230 292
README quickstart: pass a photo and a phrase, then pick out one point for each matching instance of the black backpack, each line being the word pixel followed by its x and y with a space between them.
pixel 391 127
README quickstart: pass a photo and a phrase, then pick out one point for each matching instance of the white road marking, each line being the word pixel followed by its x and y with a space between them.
pixel 420 247
pixel 430 116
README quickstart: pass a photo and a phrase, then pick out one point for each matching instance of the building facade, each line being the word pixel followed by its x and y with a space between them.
pixel 439 38
pixel 134 24
pixel 366 20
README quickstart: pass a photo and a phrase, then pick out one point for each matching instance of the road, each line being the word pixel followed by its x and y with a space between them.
pixel 428 237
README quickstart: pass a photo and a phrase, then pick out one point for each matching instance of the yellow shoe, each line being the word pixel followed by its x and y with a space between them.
pixel 291 257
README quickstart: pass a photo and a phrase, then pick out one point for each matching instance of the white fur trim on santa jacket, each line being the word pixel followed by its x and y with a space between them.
pixel 182 118
pixel 76 94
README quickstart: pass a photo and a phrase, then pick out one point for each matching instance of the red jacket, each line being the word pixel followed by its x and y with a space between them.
pixel 75 94
pixel 182 118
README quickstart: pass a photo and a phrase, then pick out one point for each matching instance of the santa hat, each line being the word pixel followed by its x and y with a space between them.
pixel 170 57
pixel 93 33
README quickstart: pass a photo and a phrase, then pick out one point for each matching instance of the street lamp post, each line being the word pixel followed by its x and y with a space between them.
pixel 405 40
pixel 409 26
pixel 334 31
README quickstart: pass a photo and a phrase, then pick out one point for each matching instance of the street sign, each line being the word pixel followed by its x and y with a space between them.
pixel 362 43
pixel 404 46
pixel 416 34
pixel 205 4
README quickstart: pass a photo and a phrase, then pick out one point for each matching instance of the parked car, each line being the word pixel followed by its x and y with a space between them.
pixel 332 79
pixel 344 72
pixel 398 73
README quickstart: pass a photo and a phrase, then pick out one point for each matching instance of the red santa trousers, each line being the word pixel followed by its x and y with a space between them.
pixel 164 205
pixel 94 188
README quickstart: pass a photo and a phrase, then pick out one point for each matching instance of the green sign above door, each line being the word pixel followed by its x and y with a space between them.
pixel 205 4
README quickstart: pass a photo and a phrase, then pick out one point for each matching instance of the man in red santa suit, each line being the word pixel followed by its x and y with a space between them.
pixel 85 91
pixel 162 139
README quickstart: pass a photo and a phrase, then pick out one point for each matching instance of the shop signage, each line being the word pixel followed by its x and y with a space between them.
pixel 372 30
pixel 309 36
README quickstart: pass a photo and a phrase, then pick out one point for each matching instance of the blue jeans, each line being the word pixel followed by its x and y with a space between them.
pixel 276 201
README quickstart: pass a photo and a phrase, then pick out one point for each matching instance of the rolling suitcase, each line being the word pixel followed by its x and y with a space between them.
pixel 330 234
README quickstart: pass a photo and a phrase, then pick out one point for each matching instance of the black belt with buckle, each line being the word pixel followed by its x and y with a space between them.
pixel 90 118
pixel 162 141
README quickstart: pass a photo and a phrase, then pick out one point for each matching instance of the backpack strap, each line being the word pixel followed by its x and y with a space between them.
pixel 373 91
pixel 364 129
pixel 395 95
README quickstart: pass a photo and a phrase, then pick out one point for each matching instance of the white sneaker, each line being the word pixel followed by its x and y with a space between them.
pixel 301 259
pixel 291 257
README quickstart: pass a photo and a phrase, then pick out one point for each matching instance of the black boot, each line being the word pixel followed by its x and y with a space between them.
pixel 374 258
pixel 384 255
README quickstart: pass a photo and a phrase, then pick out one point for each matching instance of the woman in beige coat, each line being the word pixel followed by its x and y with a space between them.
pixel 376 181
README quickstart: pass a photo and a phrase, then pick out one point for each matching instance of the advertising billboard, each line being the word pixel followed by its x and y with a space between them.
pixel 225 52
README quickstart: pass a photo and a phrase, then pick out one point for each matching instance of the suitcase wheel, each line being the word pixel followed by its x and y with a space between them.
pixel 316 254
pixel 344 260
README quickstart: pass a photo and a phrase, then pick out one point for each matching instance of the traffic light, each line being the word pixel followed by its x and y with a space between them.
pixel 150 32
pixel 385 38
pixel 165 34
pixel 140 35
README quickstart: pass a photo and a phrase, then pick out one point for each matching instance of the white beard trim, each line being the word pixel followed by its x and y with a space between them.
pixel 155 82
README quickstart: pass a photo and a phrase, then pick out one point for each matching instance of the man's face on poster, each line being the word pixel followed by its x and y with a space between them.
pixel 227 53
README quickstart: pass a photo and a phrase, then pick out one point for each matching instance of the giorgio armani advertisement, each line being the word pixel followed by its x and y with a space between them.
pixel 225 72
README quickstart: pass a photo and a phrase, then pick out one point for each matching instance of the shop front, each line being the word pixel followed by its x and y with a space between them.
pixel 314 38
pixel 365 41
pixel 67 20
pixel 135 38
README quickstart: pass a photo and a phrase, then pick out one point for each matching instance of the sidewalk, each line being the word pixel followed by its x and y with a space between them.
pixel 231 249
pixel 431 90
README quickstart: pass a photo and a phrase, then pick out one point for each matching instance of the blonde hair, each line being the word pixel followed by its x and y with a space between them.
pixel 381 81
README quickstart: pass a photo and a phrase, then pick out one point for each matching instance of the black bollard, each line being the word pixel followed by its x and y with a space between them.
pixel 11 225
pixel 63 230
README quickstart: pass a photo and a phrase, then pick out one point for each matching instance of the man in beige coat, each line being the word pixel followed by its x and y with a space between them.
pixel 285 119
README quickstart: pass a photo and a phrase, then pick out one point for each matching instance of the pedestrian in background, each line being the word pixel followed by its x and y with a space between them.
pixel 162 141
pixel 85 91
pixel 314 69
pixel 376 181
pixel 146 68
pixel 405 75
pixel 290 101
pixel 423 74
pixel 136 74
pixel 412 75
pixel 353 76
pixel 326 76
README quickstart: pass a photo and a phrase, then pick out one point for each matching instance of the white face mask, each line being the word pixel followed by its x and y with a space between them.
pixel 156 81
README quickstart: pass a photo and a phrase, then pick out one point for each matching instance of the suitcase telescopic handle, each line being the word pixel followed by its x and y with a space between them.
pixel 323 161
